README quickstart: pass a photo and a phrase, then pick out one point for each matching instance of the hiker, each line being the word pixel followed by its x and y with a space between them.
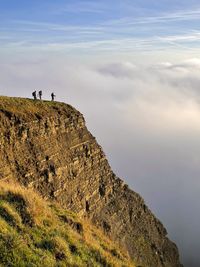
pixel 34 94
pixel 40 95
pixel 52 97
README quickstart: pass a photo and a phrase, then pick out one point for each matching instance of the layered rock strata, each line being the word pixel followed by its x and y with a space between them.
pixel 47 146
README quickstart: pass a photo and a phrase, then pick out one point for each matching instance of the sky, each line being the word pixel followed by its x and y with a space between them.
pixel 77 27
pixel 133 69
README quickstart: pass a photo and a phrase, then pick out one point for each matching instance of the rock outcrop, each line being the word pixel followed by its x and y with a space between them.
pixel 46 146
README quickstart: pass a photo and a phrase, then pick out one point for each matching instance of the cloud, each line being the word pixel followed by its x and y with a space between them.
pixel 104 35
pixel 190 64
pixel 123 69
pixel 184 15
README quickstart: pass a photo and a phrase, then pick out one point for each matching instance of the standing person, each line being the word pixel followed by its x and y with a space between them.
pixel 40 94
pixel 52 96
pixel 34 94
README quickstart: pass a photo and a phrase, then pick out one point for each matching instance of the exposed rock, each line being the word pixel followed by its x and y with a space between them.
pixel 48 147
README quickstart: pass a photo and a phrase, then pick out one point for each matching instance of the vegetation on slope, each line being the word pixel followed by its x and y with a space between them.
pixel 26 107
pixel 34 232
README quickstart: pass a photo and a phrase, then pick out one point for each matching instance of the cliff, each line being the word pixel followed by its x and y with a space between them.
pixel 46 146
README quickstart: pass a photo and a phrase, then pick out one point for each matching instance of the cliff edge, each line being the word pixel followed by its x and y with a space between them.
pixel 46 146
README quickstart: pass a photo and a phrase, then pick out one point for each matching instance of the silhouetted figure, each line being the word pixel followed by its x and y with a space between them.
pixel 40 95
pixel 53 97
pixel 34 94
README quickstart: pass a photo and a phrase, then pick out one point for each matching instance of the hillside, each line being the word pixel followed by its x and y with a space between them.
pixel 47 147
pixel 34 232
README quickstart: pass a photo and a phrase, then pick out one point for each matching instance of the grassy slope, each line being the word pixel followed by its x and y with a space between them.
pixel 34 232
pixel 28 107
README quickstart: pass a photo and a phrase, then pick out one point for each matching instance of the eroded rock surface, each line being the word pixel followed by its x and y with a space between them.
pixel 47 146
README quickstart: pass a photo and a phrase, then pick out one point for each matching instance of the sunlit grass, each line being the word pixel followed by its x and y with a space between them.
pixel 34 232
pixel 28 107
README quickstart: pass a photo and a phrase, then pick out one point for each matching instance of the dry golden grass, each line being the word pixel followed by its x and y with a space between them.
pixel 28 108
pixel 34 204
pixel 34 232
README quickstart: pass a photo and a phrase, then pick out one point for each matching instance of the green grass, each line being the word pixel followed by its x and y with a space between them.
pixel 34 232
pixel 29 108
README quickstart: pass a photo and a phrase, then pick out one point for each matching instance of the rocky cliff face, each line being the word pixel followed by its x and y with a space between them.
pixel 46 146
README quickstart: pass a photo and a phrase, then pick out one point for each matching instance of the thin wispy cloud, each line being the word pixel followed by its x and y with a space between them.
pixel 187 15
pixel 190 37
pixel 115 45
pixel 108 35
pixel 42 26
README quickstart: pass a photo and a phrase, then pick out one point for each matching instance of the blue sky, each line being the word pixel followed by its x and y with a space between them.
pixel 100 26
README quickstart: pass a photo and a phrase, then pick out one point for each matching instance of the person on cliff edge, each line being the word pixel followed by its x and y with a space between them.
pixel 34 94
pixel 40 94
pixel 53 96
